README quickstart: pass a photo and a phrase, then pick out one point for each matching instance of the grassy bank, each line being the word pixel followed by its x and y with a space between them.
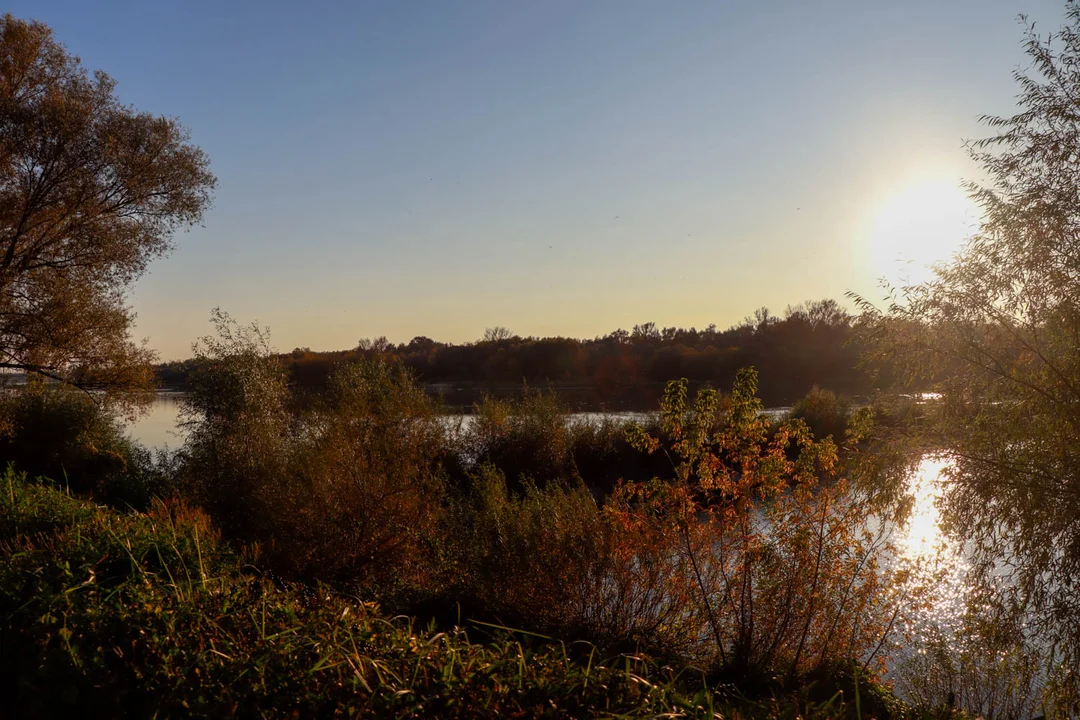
pixel 150 615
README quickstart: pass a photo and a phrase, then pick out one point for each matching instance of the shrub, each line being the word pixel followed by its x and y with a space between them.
pixel 524 557
pixel 553 560
pixel 527 439
pixel 341 489
pixel 752 558
pixel 749 555
pixel 603 456
pixel 824 413
pixel 775 549
pixel 536 438
pixel 238 428
pixel 364 487
pixel 72 438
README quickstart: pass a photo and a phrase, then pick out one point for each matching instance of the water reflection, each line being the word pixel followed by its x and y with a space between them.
pixel 922 535
pixel 936 562
pixel 156 428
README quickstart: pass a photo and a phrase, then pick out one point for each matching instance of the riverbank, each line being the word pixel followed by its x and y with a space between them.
pixel 150 615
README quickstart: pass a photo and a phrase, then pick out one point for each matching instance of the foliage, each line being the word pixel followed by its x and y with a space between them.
pixel 536 438
pixel 148 615
pixel 750 557
pixel 824 413
pixel 90 191
pixel 237 425
pixel 75 440
pixel 526 555
pixel 527 439
pixel 810 345
pixel 997 334
pixel 604 456
pixel 704 562
pixel 775 547
pixel 364 487
pixel 341 490
pixel 554 560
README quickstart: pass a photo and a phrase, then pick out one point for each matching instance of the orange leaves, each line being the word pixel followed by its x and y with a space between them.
pixel 764 544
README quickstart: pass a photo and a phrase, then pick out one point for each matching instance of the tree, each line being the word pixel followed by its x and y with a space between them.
pixel 91 191
pixel 497 334
pixel 998 334
pixel 379 345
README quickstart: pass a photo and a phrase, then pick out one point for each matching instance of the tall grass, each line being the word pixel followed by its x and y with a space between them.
pixel 149 615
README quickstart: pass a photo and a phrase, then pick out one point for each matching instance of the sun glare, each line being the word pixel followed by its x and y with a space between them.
pixel 919 227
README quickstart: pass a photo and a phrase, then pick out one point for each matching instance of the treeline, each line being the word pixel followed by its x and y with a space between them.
pixel 812 344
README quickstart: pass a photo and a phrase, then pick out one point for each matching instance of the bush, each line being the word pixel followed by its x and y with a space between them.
pixel 552 560
pixel 824 413
pixel 364 488
pixel 604 457
pixel 527 439
pixel 536 439
pixel 773 544
pixel 750 558
pixel 68 436
pixel 523 556
pixel 238 429
pixel 342 490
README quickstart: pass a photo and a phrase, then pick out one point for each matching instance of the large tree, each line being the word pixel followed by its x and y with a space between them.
pixel 998 334
pixel 91 191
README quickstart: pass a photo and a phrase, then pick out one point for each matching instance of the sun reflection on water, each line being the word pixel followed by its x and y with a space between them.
pixel 936 561
pixel 922 536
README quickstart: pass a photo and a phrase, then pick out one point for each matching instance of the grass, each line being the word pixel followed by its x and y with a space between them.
pixel 150 615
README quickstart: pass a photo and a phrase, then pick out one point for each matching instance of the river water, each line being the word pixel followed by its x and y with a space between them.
pixel 157 428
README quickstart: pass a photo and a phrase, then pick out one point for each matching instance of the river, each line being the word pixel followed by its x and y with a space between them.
pixel 157 428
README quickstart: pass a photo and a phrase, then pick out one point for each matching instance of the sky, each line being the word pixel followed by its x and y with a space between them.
pixel 406 168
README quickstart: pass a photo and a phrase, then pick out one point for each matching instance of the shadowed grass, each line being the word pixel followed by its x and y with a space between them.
pixel 148 615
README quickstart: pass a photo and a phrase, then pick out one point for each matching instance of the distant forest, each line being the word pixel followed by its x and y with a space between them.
pixel 811 344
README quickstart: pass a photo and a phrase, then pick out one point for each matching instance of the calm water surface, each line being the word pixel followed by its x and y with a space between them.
pixel 158 427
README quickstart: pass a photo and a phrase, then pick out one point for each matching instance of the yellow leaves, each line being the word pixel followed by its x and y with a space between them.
pixel 640 440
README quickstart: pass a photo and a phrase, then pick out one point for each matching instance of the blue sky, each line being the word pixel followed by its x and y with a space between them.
pixel 407 168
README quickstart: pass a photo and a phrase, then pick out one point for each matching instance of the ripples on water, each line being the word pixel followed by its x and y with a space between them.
pixel 937 563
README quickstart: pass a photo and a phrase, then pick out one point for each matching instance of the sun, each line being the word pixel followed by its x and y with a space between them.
pixel 919 227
